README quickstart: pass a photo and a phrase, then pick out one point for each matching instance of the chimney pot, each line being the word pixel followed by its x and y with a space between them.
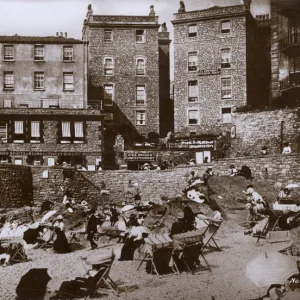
pixel 247 3
pixel 57 33
pixel 66 34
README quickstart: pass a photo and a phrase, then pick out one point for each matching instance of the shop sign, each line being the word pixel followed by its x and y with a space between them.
pixel 48 153
pixel 193 144
pixel 140 156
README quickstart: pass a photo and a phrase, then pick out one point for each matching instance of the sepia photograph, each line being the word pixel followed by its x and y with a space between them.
pixel 150 149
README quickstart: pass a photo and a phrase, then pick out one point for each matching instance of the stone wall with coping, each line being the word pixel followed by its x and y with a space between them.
pixel 257 129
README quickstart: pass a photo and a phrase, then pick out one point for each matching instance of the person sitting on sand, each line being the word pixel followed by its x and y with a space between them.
pixel 284 194
pixel 233 171
pixel 68 201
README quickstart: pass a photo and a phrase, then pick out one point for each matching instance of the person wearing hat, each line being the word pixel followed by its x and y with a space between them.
pixel 233 171
pixel 114 215
pixel 178 226
pixel 61 244
pixel 91 228
pixel 188 216
pixel 59 222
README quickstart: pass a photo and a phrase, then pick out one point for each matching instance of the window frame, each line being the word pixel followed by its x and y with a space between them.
pixel 105 98
pixel 137 120
pixel 196 67
pixel 36 139
pixel 188 118
pixel 136 96
pixel 68 83
pixel 3 133
pixel 190 97
pixel 111 35
pixel 6 86
pixel 106 68
pixel 38 57
pixel 225 31
pixel 136 66
pixel 19 137
pixel 8 57
pixel 65 56
pixel 222 114
pixel 195 32
pixel 224 64
pixel 72 138
pixel 35 81
pixel 138 35
pixel 224 96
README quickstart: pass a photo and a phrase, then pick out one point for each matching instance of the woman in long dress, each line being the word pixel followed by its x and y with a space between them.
pixel 61 244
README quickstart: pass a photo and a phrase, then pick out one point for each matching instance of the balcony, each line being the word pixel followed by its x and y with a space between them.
pixel 46 103
pixel 291 82
pixel 290 43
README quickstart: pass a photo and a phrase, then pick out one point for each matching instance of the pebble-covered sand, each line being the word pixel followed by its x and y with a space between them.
pixel 227 280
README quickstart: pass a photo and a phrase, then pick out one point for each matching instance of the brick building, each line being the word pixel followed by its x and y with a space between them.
pixel 44 117
pixel 285 52
pixel 214 68
pixel 128 69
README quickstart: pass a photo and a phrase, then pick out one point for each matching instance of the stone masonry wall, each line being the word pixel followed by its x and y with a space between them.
pixel 208 45
pixel 255 130
pixel 15 186
pixel 280 169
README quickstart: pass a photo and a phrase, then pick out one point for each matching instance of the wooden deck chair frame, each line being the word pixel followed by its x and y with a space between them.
pixel 266 228
pixel 45 244
pixel 150 257
pixel 19 250
pixel 200 255
pixel 211 239
pixel 104 279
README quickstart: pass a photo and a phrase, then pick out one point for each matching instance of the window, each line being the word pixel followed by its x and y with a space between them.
pixel 192 30
pixel 140 36
pixel 72 132
pixel 108 35
pixel 193 117
pixel 78 129
pixel 66 129
pixel 39 80
pixel 108 94
pixel 19 132
pixel 193 90
pixel 8 52
pixel 226 115
pixel 18 161
pixel 140 66
pixel 225 26
pixel 193 61
pixel 8 83
pixel 140 95
pixel 68 84
pixel 3 132
pixel 226 58
pixel 140 117
pixel 108 66
pixel 226 88
pixel 39 52
pixel 68 53
pixel 35 132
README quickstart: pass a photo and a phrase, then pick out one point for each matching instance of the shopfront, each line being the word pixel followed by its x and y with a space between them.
pixel 136 160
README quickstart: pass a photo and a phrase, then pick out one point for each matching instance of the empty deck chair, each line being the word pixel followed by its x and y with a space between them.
pixel 280 241
pixel 208 236
pixel 17 253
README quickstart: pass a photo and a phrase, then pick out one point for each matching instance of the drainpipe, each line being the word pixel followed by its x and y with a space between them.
pixel 281 135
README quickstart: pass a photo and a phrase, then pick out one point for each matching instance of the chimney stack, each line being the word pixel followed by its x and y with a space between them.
pixel 247 3
pixel 181 7
pixel 66 34
pixel 152 12
pixel 57 33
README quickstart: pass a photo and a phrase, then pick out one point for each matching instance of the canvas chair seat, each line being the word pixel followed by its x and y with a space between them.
pixel 17 253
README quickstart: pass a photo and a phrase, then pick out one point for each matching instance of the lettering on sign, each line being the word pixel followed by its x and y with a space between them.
pixel 193 144
pixel 147 156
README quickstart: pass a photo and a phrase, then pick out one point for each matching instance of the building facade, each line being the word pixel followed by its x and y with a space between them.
pixel 44 117
pixel 285 52
pixel 214 52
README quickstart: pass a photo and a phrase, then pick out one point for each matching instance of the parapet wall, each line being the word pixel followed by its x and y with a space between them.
pixel 15 186
pixel 20 185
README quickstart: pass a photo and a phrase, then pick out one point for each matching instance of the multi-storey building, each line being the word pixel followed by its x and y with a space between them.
pixel 214 68
pixel 285 51
pixel 44 118
pixel 128 69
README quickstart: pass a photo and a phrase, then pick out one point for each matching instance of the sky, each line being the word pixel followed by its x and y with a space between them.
pixel 46 17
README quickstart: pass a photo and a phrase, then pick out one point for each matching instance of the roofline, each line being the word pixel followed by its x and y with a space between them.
pixel 6 39
pixel 122 24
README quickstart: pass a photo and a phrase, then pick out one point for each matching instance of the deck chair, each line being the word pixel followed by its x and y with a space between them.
pixel 17 253
pixel 100 278
pixel 209 234
pixel 280 241
pixel 271 225
pixel 46 241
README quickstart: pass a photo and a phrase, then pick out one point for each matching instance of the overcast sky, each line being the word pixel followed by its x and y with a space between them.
pixel 46 17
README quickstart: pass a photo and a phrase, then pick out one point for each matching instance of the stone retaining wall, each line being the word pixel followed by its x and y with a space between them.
pixel 15 186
